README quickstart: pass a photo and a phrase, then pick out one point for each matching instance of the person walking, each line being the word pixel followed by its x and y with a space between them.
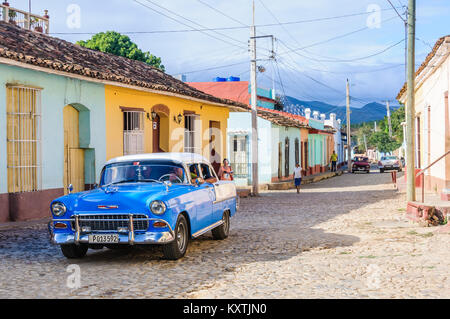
pixel 298 177
pixel 334 159
pixel 226 172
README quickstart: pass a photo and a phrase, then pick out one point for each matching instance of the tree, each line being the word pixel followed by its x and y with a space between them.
pixel 383 142
pixel 121 45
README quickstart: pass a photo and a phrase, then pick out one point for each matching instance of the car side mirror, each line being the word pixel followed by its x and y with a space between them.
pixel 70 188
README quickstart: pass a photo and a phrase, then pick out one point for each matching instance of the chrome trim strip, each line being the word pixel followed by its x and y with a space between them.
pixel 131 230
pixel 77 230
pixel 204 230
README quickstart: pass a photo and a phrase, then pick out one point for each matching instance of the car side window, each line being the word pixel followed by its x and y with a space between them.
pixel 208 174
pixel 195 174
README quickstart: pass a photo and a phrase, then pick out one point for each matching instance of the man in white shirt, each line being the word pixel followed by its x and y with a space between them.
pixel 298 177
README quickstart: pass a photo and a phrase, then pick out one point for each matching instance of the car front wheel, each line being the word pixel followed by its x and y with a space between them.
pixel 381 170
pixel 74 251
pixel 223 231
pixel 177 248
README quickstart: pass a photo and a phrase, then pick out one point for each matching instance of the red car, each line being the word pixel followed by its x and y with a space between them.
pixel 361 164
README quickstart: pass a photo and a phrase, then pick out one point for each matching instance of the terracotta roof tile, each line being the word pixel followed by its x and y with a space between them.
pixel 44 51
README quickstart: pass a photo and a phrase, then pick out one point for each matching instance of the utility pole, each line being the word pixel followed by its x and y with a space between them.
pixel 254 96
pixel 365 143
pixel 389 118
pixel 410 105
pixel 349 137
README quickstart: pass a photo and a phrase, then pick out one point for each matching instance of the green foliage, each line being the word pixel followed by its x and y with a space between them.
pixel 121 45
pixel 383 142
pixel 380 139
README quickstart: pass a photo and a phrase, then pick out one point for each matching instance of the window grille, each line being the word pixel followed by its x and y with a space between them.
pixel 239 156
pixel 190 135
pixel 23 138
pixel 133 132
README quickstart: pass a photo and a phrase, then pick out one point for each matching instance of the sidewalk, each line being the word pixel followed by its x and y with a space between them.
pixel 305 180
pixel 431 212
pixel 19 225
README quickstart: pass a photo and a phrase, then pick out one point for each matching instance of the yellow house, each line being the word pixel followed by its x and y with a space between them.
pixel 139 120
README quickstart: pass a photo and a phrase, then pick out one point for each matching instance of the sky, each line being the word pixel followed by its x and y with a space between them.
pixel 318 44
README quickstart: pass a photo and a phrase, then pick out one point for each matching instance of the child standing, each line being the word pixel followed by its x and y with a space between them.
pixel 298 177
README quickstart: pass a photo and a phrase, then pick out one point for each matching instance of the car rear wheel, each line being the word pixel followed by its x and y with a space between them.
pixel 223 231
pixel 74 251
pixel 177 248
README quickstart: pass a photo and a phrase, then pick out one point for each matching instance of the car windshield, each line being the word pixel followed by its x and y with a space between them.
pixel 390 158
pixel 138 172
pixel 361 159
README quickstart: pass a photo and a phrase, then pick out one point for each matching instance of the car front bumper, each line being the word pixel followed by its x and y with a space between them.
pixel 389 167
pixel 125 238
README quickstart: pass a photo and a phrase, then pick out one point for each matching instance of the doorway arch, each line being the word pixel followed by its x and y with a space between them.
pixel 76 119
pixel 160 128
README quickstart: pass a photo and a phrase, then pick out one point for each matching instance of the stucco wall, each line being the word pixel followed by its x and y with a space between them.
pixel 173 139
pixel 57 92
pixel 242 122
pixel 431 94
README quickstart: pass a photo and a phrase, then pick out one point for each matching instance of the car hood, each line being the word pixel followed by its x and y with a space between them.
pixel 117 198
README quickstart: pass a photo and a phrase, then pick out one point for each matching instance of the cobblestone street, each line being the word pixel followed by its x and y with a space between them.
pixel 345 237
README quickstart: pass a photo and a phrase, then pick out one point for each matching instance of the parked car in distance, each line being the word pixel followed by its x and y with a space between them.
pixel 164 199
pixel 390 163
pixel 361 164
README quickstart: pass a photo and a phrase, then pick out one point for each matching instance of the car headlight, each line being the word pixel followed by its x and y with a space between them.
pixel 158 207
pixel 58 209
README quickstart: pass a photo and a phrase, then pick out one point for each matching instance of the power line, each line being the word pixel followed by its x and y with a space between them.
pixel 204 29
pixel 212 68
pixel 224 14
pixel 185 24
pixel 396 11
pixel 333 38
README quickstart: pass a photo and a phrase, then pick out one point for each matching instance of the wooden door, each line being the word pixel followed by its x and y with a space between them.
pixel 215 142
pixel 73 154
pixel 156 134
pixel 280 160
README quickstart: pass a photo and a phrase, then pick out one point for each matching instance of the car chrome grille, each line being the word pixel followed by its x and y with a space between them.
pixel 112 222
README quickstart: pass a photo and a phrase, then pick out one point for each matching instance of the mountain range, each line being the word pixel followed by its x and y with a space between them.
pixel 370 112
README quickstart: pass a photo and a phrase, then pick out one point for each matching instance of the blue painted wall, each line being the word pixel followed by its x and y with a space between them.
pixel 58 91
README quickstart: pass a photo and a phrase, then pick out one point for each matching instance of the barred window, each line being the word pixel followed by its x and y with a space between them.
pixel 190 138
pixel 23 111
pixel 133 133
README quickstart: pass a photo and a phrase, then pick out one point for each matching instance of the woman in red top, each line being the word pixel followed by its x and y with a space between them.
pixel 226 172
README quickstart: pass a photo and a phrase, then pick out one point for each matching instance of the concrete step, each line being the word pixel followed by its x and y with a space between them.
pixel 428 213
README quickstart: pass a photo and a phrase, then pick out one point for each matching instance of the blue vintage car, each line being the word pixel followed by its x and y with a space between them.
pixel 164 199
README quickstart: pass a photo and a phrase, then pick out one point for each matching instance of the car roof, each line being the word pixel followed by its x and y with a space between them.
pixel 182 158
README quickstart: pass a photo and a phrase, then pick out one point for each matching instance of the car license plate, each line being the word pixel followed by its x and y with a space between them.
pixel 104 239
